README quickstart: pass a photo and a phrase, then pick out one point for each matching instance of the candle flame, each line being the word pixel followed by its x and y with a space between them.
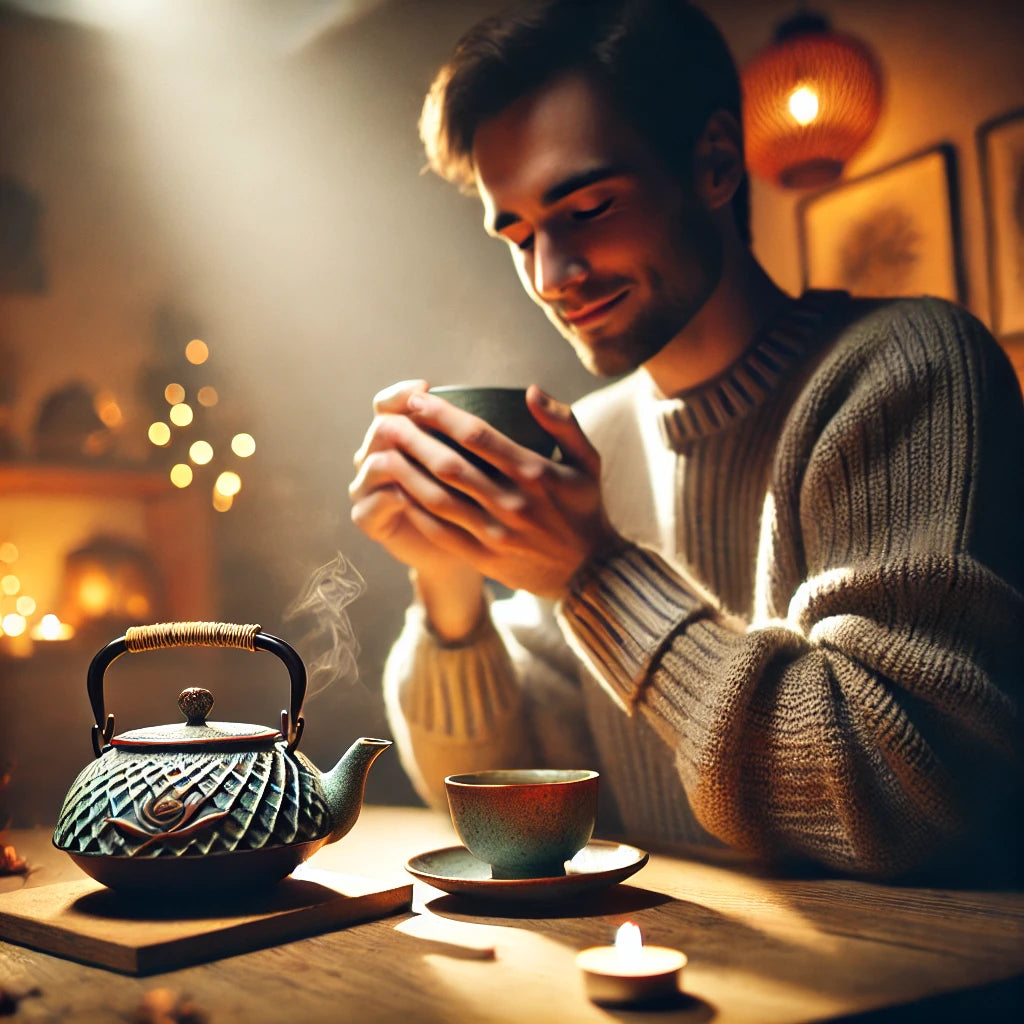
pixel 629 942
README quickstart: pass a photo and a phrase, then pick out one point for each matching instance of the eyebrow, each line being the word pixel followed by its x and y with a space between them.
pixel 559 191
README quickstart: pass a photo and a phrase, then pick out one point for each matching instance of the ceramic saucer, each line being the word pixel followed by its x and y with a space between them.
pixel 455 870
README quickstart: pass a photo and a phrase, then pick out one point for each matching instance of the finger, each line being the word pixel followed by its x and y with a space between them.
pixel 394 398
pixel 436 457
pixel 558 419
pixel 452 539
pixel 384 470
pixel 378 513
pixel 479 437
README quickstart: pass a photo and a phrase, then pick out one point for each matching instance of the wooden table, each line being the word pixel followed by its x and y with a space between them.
pixel 761 949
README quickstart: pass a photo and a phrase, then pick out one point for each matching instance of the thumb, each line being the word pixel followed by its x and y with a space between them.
pixel 558 419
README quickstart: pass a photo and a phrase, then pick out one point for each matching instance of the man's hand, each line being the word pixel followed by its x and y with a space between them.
pixel 530 529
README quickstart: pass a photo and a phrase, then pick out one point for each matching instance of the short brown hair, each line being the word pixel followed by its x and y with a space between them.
pixel 663 62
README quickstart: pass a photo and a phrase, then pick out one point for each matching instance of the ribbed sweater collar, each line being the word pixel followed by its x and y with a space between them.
pixel 783 343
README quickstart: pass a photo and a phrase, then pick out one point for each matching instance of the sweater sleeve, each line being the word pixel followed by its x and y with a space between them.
pixel 864 714
pixel 507 697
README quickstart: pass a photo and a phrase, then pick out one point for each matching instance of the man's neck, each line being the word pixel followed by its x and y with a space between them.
pixel 744 300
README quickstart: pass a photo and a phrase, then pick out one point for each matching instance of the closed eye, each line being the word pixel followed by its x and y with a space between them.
pixel 594 211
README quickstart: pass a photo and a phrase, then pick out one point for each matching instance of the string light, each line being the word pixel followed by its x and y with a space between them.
pixel 228 484
pixel 181 414
pixel 200 452
pixel 243 445
pixel 159 433
pixel 197 352
pixel 181 475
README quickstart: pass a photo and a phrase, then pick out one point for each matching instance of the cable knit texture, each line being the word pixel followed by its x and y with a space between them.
pixel 811 646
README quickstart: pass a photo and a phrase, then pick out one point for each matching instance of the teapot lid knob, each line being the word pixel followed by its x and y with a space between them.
pixel 195 703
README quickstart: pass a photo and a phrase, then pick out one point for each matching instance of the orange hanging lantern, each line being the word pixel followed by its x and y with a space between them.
pixel 810 101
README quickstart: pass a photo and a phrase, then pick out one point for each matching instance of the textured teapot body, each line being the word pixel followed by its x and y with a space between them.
pixel 205 805
pixel 132 803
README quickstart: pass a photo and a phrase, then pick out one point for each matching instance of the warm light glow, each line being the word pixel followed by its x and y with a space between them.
pixel 208 396
pixel 8 552
pixel 108 410
pixel 14 625
pixel 181 475
pixel 803 104
pixel 10 584
pixel 26 605
pixel 174 393
pixel 50 627
pixel 200 452
pixel 222 502
pixel 94 593
pixel 181 414
pixel 197 352
pixel 243 445
pixel 159 433
pixel 137 606
pixel 228 484
pixel 629 943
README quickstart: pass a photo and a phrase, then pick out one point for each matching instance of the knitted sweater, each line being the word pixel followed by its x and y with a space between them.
pixel 811 644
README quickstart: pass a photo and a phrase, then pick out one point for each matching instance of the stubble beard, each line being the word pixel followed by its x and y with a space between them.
pixel 695 254
pixel 662 318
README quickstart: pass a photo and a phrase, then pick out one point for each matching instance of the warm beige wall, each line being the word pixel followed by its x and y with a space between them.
pixel 948 67
pixel 277 200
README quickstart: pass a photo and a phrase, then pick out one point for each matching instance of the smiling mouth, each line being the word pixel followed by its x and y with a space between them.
pixel 587 315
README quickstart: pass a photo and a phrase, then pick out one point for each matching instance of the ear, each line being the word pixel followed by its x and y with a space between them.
pixel 718 159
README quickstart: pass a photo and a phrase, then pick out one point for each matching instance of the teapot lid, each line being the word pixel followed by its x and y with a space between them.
pixel 195 704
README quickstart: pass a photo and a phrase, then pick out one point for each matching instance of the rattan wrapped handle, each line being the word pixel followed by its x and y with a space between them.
pixel 195 634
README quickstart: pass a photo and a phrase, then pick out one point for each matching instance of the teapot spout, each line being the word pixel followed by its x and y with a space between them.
pixel 345 782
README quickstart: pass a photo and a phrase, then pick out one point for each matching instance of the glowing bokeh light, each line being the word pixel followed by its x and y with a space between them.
pixel 108 409
pixel 14 625
pixel 803 105
pixel 222 502
pixel 197 352
pixel 10 584
pixel 208 396
pixel 159 433
pixel 95 593
pixel 181 414
pixel 26 605
pixel 228 483
pixel 243 445
pixel 181 475
pixel 200 452
pixel 8 552
pixel 49 627
pixel 174 393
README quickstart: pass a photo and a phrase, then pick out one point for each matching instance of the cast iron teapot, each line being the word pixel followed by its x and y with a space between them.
pixel 205 805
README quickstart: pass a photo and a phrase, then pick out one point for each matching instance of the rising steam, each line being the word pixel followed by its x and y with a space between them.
pixel 329 591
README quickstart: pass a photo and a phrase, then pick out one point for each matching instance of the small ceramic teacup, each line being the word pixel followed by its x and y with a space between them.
pixel 505 409
pixel 525 823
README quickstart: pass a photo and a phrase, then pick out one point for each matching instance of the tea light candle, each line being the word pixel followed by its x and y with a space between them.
pixel 630 972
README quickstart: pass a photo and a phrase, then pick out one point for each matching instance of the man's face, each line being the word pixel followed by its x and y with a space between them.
pixel 617 252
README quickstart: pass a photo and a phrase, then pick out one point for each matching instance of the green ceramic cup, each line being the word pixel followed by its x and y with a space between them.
pixel 506 410
pixel 525 823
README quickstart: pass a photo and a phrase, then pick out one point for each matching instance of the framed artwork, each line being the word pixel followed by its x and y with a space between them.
pixel 1001 157
pixel 891 232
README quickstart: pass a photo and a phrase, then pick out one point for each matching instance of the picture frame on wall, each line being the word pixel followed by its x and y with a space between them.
pixel 892 232
pixel 1001 159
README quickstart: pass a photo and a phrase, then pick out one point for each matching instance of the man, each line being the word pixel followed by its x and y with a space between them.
pixel 772 589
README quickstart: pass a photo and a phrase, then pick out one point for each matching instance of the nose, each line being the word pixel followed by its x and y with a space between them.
pixel 556 266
